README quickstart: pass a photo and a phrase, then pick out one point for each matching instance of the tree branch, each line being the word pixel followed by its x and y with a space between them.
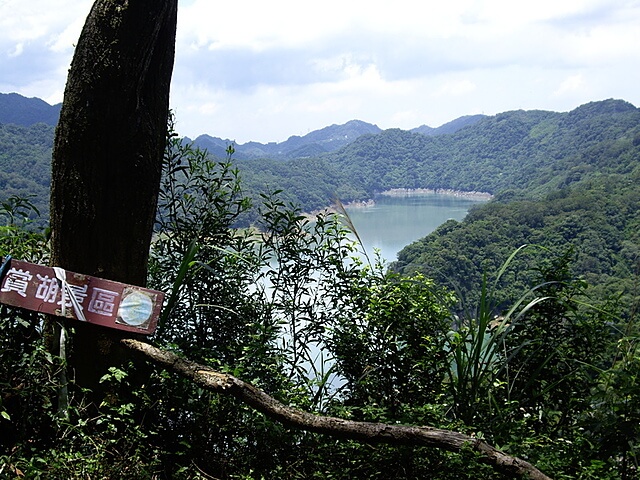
pixel 366 432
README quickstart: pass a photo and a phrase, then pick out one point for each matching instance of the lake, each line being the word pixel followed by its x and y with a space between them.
pixel 394 222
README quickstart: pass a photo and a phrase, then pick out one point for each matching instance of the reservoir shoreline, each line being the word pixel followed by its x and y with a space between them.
pixel 418 192
pixel 408 192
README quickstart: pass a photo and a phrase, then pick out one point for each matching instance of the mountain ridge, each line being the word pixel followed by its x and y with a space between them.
pixel 20 110
pixel 534 150
pixel 325 140
pixel 509 150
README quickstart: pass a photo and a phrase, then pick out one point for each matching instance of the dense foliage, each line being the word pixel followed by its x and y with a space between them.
pixel 25 163
pixel 535 366
pixel 533 150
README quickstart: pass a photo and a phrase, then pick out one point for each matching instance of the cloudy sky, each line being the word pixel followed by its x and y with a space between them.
pixel 265 70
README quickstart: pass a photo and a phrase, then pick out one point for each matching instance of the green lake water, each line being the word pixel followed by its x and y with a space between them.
pixel 395 222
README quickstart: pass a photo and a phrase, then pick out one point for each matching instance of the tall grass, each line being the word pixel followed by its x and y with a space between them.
pixel 477 347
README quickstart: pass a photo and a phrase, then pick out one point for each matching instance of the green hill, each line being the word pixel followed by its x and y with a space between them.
pixel 513 154
pixel 25 163
pixel 596 222
pixel 534 151
pixel 570 184
pixel 20 110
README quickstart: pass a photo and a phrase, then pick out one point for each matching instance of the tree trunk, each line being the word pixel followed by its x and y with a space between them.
pixel 107 156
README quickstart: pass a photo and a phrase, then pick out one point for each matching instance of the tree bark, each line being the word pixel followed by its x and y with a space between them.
pixel 362 431
pixel 107 157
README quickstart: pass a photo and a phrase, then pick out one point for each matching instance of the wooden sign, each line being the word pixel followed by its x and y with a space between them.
pixel 81 297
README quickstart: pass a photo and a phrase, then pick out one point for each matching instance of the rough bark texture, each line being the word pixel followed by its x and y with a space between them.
pixel 337 427
pixel 107 156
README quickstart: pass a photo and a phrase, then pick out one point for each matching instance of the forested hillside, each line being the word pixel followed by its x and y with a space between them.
pixel 450 127
pixel 20 110
pixel 534 150
pixel 596 223
pixel 25 163
pixel 571 183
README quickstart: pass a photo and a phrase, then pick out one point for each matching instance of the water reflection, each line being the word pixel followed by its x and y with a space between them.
pixel 395 222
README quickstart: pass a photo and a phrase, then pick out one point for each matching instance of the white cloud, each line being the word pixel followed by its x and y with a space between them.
pixel 39 19
pixel 571 85
pixel 259 70
pixel 36 45
pixel 17 51
pixel 456 88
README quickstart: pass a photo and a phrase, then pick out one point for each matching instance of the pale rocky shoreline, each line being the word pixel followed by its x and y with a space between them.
pixel 410 192
pixel 405 192
pixel 416 192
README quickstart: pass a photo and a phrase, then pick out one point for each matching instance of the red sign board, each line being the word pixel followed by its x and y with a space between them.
pixel 81 297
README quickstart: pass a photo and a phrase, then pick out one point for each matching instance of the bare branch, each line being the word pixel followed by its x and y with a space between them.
pixel 366 432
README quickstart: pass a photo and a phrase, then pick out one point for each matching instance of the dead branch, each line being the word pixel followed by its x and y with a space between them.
pixel 366 432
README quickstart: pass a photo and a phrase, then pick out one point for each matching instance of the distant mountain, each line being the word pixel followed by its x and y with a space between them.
pixel 535 151
pixel 19 110
pixel 325 140
pixel 333 137
pixel 531 150
pixel 214 145
pixel 450 127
